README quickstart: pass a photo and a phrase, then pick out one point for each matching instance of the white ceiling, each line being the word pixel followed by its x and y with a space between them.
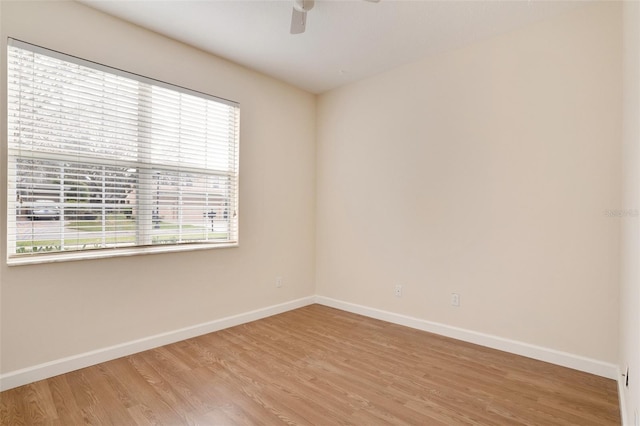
pixel 345 41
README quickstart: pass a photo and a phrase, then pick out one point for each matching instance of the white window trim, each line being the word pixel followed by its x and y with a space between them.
pixel 115 252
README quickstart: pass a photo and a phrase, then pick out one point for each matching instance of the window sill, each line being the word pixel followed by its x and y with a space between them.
pixel 107 253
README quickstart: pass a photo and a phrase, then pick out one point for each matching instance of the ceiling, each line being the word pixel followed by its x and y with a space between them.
pixel 345 40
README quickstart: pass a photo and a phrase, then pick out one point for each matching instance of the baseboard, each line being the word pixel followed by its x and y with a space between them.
pixel 624 421
pixel 553 356
pixel 64 365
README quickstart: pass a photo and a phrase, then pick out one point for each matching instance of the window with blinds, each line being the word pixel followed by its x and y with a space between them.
pixel 101 161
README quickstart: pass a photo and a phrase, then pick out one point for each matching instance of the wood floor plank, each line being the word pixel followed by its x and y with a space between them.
pixel 317 366
pixel 147 401
pixel 11 407
pixel 64 402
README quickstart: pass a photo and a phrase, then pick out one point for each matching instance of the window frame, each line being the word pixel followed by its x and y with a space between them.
pixel 14 258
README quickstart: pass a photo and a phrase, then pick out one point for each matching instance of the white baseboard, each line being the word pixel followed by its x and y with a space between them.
pixel 553 356
pixel 64 365
pixel 621 394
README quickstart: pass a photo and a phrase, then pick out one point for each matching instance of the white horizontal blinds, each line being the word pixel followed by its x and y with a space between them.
pixel 195 178
pixel 99 158
pixel 65 109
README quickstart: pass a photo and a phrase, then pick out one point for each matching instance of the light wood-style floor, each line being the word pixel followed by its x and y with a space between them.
pixel 317 366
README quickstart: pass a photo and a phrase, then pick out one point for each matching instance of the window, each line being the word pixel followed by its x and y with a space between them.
pixel 101 161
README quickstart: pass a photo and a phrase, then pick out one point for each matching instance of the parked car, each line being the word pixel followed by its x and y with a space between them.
pixel 44 210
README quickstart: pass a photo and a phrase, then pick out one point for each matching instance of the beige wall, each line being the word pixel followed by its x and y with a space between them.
pixel 56 310
pixel 485 171
pixel 630 276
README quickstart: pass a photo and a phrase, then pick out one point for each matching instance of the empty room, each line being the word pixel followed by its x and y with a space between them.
pixel 333 212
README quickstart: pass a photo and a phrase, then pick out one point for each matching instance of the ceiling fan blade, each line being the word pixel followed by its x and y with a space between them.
pixel 298 21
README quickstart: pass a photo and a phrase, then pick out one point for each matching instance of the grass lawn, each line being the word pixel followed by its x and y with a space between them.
pixel 113 224
pixel 71 244
pixel 119 223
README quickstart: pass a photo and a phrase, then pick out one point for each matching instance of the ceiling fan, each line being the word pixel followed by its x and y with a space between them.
pixel 299 15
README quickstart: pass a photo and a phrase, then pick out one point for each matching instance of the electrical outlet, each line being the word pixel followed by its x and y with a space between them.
pixel 278 282
pixel 398 290
pixel 455 299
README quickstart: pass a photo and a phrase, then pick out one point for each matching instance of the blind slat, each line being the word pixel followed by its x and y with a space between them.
pixel 115 159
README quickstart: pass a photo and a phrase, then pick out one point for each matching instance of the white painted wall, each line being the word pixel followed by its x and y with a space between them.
pixel 485 171
pixel 57 310
pixel 630 273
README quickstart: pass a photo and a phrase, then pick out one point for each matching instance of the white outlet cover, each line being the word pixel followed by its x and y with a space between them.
pixel 455 299
pixel 398 290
